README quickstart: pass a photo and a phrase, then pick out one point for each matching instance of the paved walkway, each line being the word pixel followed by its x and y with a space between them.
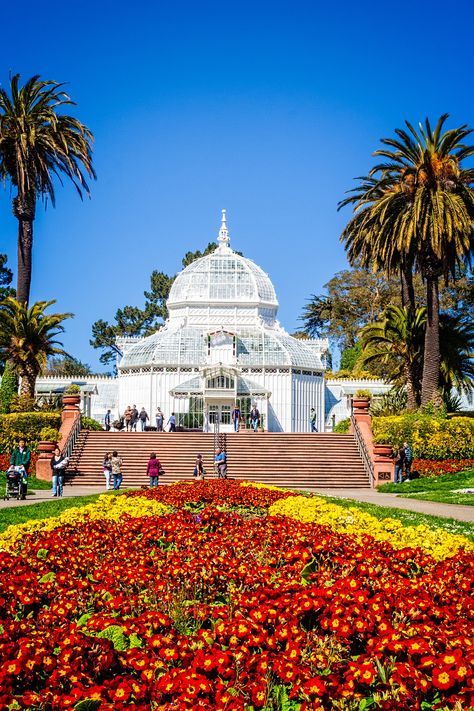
pixel 370 496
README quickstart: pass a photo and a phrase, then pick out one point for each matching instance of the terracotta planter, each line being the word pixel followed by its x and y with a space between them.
pixel 383 450
pixel 46 448
pixel 71 400
pixel 361 404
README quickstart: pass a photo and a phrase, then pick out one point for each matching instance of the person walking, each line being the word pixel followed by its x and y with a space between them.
pixel 58 465
pixel 21 457
pixel 399 464
pixel 199 468
pixel 159 417
pixel 116 464
pixel 220 463
pixel 107 420
pixel 107 469
pixel 127 418
pixel 143 417
pixel 172 423
pixel 254 418
pixel 312 420
pixel 153 469
pixel 134 419
pixel 408 460
pixel 236 415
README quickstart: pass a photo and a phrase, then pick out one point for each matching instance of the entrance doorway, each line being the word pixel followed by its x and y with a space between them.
pixel 221 414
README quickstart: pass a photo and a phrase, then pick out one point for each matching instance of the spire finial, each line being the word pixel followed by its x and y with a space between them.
pixel 223 238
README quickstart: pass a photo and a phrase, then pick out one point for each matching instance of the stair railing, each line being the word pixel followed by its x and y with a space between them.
pixel 363 451
pixel 72 439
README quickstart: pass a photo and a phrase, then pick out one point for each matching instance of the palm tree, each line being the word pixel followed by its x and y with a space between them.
pixel 397 342
pixel 27 338
pixel 37 145
pixel 416 209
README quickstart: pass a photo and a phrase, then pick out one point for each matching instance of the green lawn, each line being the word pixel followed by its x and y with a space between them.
pixel 441 489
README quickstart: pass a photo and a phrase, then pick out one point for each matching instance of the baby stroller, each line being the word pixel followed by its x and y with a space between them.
pixel 16 480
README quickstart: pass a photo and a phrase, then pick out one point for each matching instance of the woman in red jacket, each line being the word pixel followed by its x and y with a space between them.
pixel 153 469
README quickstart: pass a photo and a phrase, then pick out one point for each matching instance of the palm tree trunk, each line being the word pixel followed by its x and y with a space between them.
pixel 431 358
pixel 406 279
pixel 24 211
pixel 28 382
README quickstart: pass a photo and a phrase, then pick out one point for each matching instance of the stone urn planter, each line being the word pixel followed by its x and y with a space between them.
pixel 383 450
pixel 46 448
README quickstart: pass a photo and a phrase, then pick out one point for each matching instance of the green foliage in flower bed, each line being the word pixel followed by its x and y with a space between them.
pixel 431 436
pixel 27 425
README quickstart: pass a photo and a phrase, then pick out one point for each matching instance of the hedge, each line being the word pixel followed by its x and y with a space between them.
pixel 27 425
pixel 431 437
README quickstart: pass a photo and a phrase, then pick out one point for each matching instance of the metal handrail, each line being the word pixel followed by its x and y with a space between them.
pixel 72 439
pixel 363 451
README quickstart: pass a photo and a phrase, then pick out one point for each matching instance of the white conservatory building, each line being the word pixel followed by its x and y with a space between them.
pixel 222 344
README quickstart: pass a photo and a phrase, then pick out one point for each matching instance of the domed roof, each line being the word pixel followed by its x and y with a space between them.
pixel 223 277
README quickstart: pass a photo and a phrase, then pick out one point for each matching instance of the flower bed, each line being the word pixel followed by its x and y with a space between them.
pixel 132 605
pixel 432 467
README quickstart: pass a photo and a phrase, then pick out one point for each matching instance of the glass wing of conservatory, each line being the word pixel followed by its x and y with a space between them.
pixel 185 346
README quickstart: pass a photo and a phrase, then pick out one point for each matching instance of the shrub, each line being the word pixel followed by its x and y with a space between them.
pixel 27 425
pixel 49 434
pixel 342 426
pixel 431 436
pixel 8 388
pixel 72 389
pixel 87 423
pixel 364 394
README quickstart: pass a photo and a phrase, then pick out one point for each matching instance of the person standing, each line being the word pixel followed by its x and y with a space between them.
pixel 58 465
pixel 408 460
pixel 312 420
pixel 134 418
pixel 199 468
pixel 254 418
pixel 107 469
pixel 172 423
pixel 399 463
pixel 116 464
pixel 127 418
pixel 21 457
pixel 107 420
pixel 159 417
pixel 153 470
pixel 236 417
pixel 220 462
pixel 143 417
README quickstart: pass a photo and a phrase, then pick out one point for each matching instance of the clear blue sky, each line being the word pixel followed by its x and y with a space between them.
pixel 268 109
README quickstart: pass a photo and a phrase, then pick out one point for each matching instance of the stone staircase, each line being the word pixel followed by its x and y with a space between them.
pixel 295 460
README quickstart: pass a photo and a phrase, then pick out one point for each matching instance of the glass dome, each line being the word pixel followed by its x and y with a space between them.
pixel 223 278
